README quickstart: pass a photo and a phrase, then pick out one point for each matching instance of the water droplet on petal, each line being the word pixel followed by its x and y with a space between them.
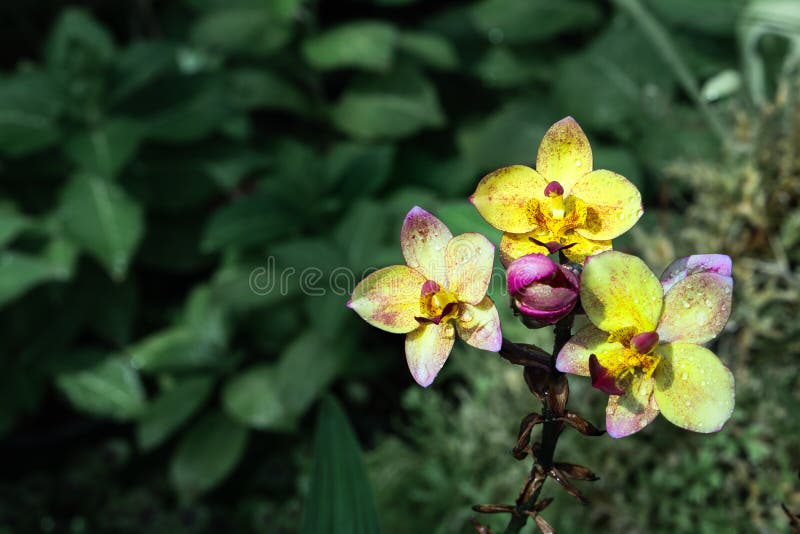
pixel 684 376
pixel 577 163
pixel 686 304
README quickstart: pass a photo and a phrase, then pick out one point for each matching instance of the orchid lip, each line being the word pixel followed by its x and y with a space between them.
pixel 602 379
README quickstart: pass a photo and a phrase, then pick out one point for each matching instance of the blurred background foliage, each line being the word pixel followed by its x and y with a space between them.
pixel 163 163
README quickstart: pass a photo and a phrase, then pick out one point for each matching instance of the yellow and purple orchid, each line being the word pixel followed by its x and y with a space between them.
pixel 644 346
pixel 440 291
pixel 563 204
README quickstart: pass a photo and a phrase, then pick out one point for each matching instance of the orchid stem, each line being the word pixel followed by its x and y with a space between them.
pixel 550 432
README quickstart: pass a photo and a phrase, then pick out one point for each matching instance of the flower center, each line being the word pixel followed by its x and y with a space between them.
pixel 637 354
pixel 437 303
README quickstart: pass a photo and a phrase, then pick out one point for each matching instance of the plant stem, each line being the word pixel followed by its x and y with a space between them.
pixel 551 428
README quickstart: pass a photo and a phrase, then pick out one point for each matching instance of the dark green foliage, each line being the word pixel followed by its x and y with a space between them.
pixel 189 191
pixel 340 498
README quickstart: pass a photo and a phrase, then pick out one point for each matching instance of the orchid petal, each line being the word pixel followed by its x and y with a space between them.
pixel 581 247
pixel 564 154
pixel 427 348
pixel 694 389
pixel 698 263
pixel 479 325
pixel 423 239
pixel 619 291
pixel 613 204
pixel 389 298
pixel 507 198
pixel 696 308
pixel 627 414
pixel 574 355
pixel 469 261
pixel 513 246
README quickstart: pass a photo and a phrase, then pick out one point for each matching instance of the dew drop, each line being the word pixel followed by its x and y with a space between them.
pixel 621 216
pixel 688 403
pixel 577 163
pixel 708 302
pixel 684 376
pixel 686 304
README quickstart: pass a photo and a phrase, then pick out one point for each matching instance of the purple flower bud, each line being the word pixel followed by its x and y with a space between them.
pixel 541 288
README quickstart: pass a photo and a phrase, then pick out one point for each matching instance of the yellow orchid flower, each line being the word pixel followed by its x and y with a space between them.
pixel 441 291
pixel 563 203
pixel 644 346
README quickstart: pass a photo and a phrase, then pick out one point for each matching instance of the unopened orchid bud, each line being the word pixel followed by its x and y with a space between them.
pixel 541 288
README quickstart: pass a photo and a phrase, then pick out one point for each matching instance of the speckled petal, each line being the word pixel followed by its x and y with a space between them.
pixel 513 246
pixel 564 154
pixel 694 390
pixel 469 259
pixel 507 197
pixel 480 325
pixel 613 204
pixel 699 263
pixel 619 291
pixel 582 247
pixel 389 298
pixel 423 239
pixel 574 356
pixel 696 308
pixel 628 414
pixel 427 348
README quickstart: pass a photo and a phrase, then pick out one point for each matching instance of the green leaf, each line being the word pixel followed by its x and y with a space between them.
pixel 207 454
pixel 533 20
pixel 171 409
pixel 139 65
pixel 712 17
pixel 504 68
pixel 340 499
pixel 253 397
pixel 261 89
pixel 173 349
pixel 251 31
pixel 364 44
pixel 392 107
pixel 361 233
pixel 78 43
pixel 20 272
pixel 275 396
pixel 29 108
pixel 200 107
pixel 106 149
pixel 100 217
pixel 254 220
pixel 509 136
pixel 110 389
pixel 356 169
pixel 430 49
pixel 617 78
pixel 196 340
pixel 12 223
